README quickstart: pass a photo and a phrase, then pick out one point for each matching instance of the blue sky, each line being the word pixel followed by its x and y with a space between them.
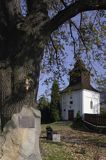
pixel 44 89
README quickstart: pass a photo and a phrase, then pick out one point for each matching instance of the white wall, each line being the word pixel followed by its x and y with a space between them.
pixel 81 102
pixel 77 102
pixel 89 96
pixel 64 105
pixel 76 98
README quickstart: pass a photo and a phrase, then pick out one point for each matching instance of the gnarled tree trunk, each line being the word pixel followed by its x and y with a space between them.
pixel 22 41
pixel 21 51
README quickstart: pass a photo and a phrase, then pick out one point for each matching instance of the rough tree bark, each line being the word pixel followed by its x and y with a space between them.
pixel 22 41
pixel 21 51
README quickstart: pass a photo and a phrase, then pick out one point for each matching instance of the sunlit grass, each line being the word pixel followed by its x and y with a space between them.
pixel 88 147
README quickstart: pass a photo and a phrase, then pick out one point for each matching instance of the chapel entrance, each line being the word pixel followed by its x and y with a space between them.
pixel 70 115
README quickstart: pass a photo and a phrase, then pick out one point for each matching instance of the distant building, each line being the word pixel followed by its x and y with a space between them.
pixel 79 97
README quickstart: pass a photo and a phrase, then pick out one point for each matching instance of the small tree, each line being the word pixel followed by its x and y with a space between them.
pixel 55 102
pixel 44 107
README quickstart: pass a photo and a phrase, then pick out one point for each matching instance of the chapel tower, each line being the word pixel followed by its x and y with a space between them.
pixel 80 76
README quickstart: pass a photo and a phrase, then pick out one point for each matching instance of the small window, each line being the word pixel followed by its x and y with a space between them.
pixel 70 97
pixel 64 110
pixel 71 102
pixel 91 104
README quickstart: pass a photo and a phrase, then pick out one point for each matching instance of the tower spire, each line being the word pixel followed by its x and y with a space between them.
pixel 80 75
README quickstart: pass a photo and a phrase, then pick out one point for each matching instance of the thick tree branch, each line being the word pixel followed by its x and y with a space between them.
pixel 72 10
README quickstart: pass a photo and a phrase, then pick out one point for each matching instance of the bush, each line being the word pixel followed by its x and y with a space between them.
pixel 55 103
pixel 102 111
pixel 55 115
pixel 78 117
pixel 44 107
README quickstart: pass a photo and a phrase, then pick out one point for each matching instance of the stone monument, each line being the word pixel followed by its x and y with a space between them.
pixel 20 139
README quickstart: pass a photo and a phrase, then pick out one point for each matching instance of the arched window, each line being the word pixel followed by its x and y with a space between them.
pixel 91 104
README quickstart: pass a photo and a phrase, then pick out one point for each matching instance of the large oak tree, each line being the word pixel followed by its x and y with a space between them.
pixel 23 38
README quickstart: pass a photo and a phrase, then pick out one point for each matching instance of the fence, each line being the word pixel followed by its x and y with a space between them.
pixel 96 119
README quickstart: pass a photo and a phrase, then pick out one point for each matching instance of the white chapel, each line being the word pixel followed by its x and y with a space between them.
pixel 79 97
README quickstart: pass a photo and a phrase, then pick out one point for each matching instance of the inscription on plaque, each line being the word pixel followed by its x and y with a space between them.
pixel 26 122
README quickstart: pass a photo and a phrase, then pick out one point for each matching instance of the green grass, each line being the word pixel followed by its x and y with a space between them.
pixel 55 151
pixel 92 144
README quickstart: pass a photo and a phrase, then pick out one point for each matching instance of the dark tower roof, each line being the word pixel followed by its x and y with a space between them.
pixel 79 66
pixel 79 77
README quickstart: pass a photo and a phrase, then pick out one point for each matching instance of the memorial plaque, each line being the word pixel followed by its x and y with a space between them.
pixel 26 122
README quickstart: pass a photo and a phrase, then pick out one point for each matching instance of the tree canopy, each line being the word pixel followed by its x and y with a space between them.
pixel 82 26
pixel 34 30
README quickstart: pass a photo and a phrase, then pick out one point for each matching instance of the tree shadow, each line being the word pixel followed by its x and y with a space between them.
pixel 79 125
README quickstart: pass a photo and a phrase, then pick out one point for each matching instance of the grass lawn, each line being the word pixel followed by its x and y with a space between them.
pixel 76 144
